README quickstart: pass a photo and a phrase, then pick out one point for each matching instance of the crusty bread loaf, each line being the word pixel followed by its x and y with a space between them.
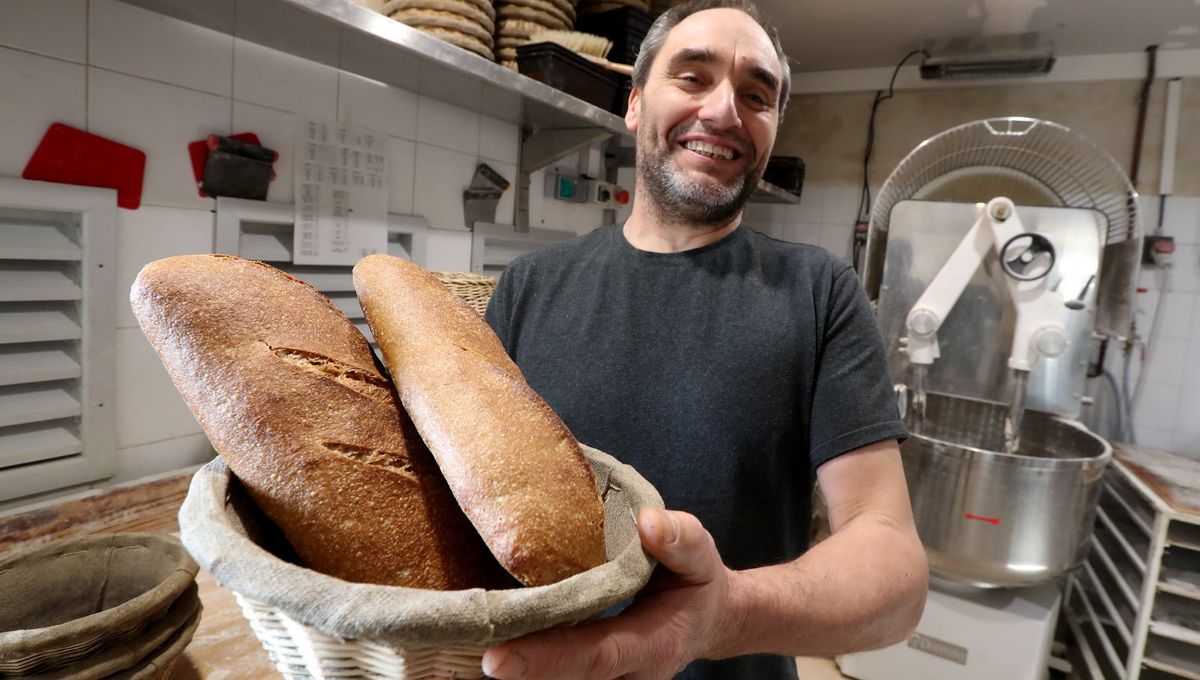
pixel 289 393
pixel 514 467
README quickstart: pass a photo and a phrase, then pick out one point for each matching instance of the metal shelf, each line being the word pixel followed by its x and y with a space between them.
pixel 1162 640
pixel 346 36
pixel 1172 669
pixel 1138 560
pixel 1121 580
pixel 769 193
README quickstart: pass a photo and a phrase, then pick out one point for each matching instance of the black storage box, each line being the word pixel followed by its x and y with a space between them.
pixel 785 172
pixel 564 70
pixel 621 102
pixel 626 27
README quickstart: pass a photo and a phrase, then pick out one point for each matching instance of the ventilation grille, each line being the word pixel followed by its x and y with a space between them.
pixel 56 423
pixel 265 232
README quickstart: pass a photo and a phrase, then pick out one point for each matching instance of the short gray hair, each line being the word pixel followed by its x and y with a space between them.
pixel 657 35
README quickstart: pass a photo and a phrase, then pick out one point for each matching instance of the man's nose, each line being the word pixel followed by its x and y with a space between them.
pixel 719 108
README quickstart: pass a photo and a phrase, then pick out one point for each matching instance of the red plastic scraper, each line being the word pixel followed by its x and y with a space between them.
pixel 70 156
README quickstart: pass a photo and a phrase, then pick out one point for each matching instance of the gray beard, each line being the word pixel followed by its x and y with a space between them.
pixel 676 200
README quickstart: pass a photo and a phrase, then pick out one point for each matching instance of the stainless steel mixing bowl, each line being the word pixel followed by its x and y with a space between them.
pixel 991 519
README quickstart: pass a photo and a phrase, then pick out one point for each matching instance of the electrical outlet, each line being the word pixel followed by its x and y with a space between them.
pixel 1157 250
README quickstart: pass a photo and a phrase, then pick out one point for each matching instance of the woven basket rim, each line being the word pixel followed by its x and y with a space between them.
pixel 415 619
pixel 15 643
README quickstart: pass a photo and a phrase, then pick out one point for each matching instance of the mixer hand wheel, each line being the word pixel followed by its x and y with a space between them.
pixel 1028 256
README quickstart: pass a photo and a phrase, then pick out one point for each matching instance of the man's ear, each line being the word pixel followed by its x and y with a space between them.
pixel 631 113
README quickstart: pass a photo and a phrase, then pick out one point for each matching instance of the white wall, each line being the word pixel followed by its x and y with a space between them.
pixel 1167 416
pixel 156 84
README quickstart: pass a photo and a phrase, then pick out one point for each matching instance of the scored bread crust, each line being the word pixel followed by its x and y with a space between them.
pixel 514 467
pixel 288 392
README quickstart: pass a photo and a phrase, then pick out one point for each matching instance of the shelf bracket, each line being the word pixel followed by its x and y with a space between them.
pixel 546 146
pixel 541 148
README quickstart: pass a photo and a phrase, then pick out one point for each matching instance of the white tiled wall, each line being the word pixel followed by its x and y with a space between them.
pixel 1167 414
pixel 156 84
pixel 824 217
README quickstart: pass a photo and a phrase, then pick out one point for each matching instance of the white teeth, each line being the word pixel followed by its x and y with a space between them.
pixel 709 150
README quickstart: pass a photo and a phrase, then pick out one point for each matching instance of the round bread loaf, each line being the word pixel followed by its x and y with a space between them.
pixel 514 467
pixel 289 393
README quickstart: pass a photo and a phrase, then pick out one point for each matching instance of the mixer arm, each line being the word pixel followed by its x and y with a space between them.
pixel 1038 327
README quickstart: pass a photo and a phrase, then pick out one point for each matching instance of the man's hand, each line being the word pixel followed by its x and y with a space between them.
pixel 679 616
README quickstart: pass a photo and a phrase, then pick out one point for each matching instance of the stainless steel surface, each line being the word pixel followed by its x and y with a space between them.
pixel 1036 163
pixel 769 193
pixel 992 519
pixel 977 334
pixel 344 35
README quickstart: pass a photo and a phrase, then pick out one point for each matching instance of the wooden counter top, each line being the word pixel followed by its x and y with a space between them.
pixel 224 647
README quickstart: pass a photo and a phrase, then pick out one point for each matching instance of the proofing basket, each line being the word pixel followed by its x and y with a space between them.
pixel 474 289
pixel 317 626
pixel 111 605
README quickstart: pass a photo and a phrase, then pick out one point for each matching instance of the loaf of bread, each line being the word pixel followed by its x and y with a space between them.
pixel 290 394
pixel 514 467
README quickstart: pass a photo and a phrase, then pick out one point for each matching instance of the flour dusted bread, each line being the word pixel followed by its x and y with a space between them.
pixel 288 391
pixel 516 470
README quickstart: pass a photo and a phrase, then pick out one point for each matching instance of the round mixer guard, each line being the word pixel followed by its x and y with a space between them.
pixel 1034 162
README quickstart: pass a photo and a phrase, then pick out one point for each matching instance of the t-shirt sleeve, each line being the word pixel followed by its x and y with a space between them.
pixel 499 313
pixel 854 404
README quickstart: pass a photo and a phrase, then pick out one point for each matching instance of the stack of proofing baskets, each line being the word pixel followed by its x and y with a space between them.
pixel 317 626
pixel 106 606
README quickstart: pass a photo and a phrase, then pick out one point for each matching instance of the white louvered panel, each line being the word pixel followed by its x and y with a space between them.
pixel 32 241
pixel 267 243
pixel 37 323
pixel 365 330
pixel 36 363
pixel 325 279
pixel 33 283
pixel 57 332
pixel 22 404
pixel 348 305
pixel 32 443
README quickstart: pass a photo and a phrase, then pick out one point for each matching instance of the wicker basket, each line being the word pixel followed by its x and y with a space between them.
pixel 474 289
pixel 314 625
pixel 93 606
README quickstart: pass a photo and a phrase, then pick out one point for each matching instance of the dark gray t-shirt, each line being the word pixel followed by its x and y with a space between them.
pixel 725 375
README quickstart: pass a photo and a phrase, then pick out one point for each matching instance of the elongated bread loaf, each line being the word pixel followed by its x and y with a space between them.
pixel 288 391
pixel 511 462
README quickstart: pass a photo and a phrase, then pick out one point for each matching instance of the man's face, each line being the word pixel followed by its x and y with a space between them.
pixel 707 117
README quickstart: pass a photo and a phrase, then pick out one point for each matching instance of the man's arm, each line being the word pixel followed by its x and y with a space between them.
pixel 861 588
pixel 864 587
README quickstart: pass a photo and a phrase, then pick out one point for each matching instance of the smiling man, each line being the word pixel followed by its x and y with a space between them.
pixel 732 370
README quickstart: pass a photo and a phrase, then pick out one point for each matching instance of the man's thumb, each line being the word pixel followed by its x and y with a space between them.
pixel 680 543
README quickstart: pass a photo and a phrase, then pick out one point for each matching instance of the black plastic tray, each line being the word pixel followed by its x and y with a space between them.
pixel 564 70
pixel 626 27
pixel 785 172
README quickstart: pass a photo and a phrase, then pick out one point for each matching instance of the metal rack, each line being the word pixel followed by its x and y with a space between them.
pixel 1134 606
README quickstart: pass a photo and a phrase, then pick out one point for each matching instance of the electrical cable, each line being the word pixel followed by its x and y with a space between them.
pixel 862 214
pixel 1148 346
pixel 1118 405
pixel 864 202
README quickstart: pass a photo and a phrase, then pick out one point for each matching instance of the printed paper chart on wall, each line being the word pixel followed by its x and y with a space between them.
pixel 341 194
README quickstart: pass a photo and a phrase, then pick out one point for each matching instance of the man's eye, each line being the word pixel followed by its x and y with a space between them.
pixel 757 99
pixel 689 79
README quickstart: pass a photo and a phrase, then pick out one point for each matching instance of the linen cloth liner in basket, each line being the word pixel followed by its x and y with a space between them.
pixel 217 521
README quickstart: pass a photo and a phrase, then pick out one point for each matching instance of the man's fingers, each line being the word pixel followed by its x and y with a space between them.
pixel 680 543
pixel 597 651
